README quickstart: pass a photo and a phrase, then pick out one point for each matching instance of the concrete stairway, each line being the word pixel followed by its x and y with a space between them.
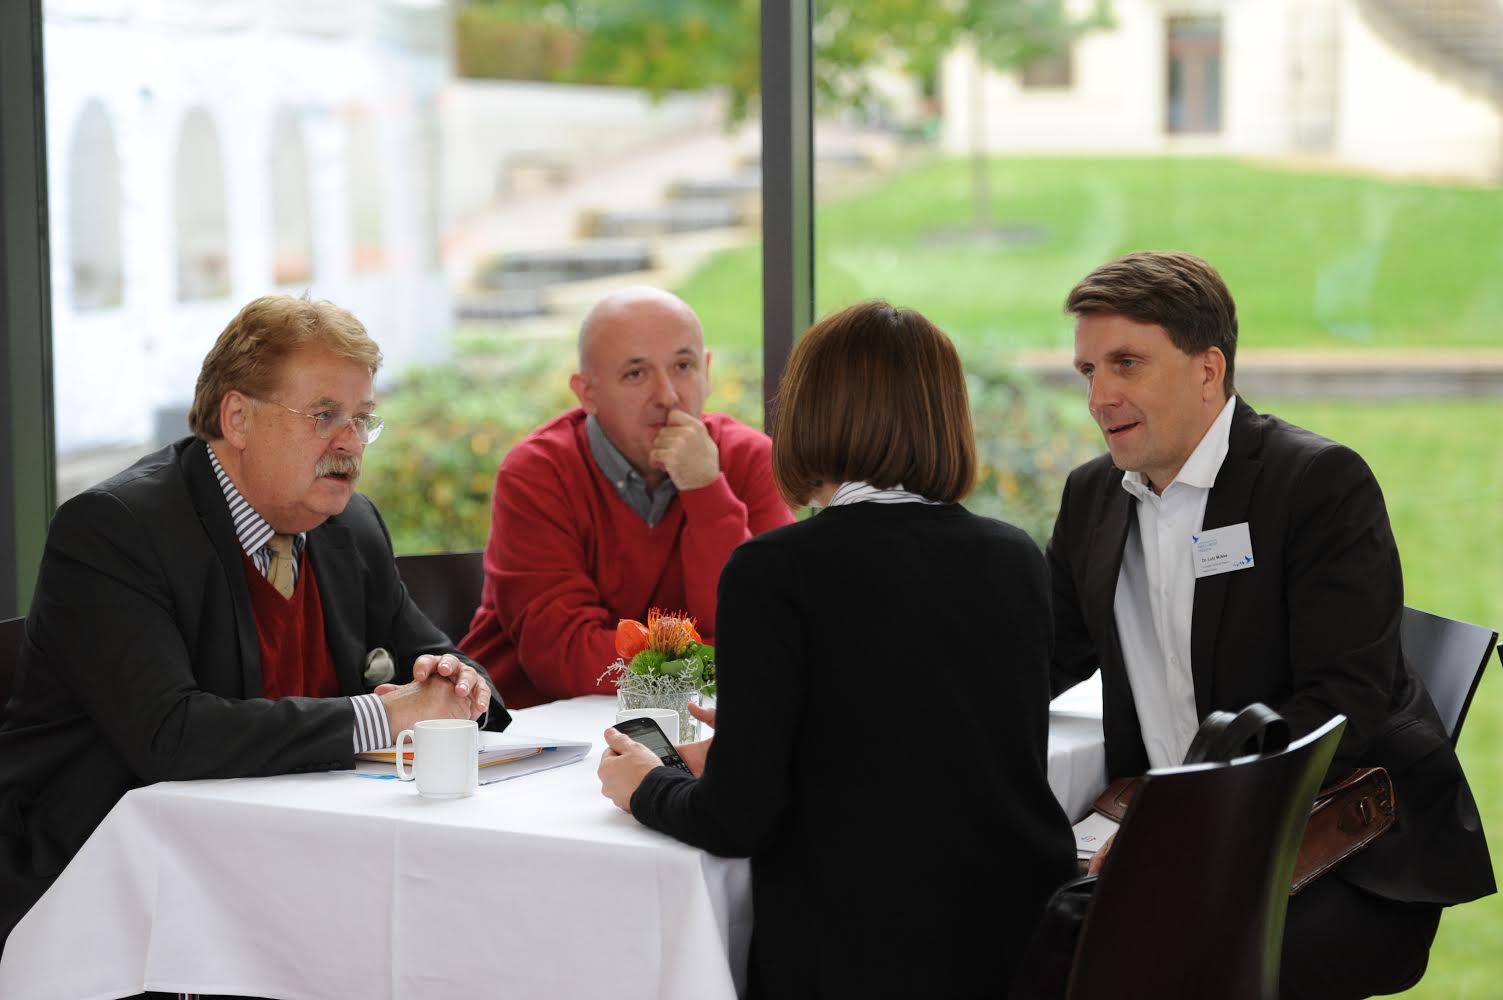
pixel 1459 40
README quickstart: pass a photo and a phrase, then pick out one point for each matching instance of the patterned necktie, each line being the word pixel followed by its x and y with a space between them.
pixel 279 570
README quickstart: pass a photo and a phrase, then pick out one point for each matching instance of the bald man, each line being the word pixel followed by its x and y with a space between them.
pixel 631 501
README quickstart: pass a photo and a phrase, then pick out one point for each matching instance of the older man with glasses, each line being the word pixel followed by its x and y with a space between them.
pixel 227 606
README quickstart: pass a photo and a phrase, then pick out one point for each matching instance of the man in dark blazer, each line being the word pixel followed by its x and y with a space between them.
pixel 227 606
pixel 1216 557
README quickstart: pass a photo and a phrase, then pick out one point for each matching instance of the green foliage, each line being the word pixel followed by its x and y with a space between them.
pixel 693 667
pixel 1028 438
pixel 663 45
pixel 705 675
pixel 433 471
pixel 648 662
pixel 491 42
pixel 448 427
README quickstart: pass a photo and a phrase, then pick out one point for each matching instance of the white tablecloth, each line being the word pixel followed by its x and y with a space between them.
pixel 333 886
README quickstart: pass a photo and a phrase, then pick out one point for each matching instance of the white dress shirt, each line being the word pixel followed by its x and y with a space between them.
pixel 1156 595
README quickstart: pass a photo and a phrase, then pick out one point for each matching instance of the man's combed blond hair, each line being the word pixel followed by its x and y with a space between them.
pixel 249 353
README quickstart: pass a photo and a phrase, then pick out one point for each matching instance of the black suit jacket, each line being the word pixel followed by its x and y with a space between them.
pixel 141 661
pixel 1312 629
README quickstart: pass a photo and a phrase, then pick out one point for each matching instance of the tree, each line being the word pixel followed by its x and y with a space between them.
pixel 664 45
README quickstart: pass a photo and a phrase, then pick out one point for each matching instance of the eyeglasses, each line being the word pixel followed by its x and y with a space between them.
pixel 327 423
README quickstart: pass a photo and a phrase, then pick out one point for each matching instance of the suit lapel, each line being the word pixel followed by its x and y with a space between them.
pixel 1108 540
pixel 331 551
pixel 214 515
pixel 1228 503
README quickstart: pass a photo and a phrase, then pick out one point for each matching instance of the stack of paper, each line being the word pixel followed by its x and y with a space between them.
pixel 1092 832
pixel 503 755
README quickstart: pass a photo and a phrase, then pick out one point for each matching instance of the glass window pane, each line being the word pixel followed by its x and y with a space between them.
pixel 1338 161
pixel 217 142
pixel 466 179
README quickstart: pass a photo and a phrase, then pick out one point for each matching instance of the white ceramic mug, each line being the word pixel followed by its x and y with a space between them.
pixel 666 718
pixel 446 757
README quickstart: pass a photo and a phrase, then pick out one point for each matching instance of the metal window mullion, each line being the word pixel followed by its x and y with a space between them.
pixel 787 185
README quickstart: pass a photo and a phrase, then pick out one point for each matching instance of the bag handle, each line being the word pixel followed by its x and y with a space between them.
pixel 1224 735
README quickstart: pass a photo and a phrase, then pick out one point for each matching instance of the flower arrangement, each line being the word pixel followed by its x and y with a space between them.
pixel 663 664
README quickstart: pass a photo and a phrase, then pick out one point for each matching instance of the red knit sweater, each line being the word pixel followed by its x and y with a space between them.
pixel 567 558
pixel 295 656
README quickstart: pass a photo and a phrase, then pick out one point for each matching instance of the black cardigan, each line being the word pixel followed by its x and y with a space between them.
pixel 881 752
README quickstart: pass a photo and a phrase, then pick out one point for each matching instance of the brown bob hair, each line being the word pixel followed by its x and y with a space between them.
pixel 1177 291
pixel 877 394
pixel 249 353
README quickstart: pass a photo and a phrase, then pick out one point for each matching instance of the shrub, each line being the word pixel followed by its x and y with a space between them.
pixel 1028 438
pixel 449 426
pixel 432 472
pixel 493 45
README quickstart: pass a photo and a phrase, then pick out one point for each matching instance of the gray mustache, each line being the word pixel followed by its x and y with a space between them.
pixel 338 465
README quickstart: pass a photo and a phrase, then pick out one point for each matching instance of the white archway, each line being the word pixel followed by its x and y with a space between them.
pixel 96 279
pixel 201 220
pixel 291 206
pixel 363 163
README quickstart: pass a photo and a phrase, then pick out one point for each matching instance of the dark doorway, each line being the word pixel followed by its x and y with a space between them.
pixel 1194 93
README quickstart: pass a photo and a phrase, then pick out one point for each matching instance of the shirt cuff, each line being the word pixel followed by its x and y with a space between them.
pixel 372 731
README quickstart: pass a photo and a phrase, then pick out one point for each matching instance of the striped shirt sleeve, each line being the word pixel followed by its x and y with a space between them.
pixel 372 732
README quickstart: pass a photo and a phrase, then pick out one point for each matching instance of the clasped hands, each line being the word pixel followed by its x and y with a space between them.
pixel 442 687
pixel 626 762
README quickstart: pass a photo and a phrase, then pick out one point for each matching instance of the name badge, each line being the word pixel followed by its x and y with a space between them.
pixel 1221 550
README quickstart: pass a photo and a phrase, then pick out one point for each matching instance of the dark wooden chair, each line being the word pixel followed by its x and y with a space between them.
pixel 12 631
pixel 1192 898
pixel 446 587
pixel 1449 656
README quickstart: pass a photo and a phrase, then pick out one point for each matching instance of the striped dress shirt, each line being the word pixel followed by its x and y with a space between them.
pixel 856 491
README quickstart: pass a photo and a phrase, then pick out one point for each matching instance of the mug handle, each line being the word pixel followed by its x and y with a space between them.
pixel 403 775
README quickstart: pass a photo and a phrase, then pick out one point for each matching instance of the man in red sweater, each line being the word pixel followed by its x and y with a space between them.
pixel 633 500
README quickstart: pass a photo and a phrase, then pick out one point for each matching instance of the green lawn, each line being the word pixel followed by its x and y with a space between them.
pixel 1315 260
pixel 1438 464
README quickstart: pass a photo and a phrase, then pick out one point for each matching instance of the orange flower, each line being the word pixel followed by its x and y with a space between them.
pixel 670 633
pixel 631 638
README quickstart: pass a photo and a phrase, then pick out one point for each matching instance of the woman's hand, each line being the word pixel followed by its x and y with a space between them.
pixel 694 754
pixel 1099 858
pixel 623 766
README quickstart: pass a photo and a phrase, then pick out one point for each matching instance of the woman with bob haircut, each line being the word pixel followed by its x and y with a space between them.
pixel 883 705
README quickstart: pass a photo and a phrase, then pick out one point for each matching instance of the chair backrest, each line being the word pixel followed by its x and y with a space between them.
pixel 12 630
pixel 1192 897
pixel 1449 657
pixel 446 587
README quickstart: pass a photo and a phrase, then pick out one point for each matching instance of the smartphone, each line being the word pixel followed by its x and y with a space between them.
pixel 648 733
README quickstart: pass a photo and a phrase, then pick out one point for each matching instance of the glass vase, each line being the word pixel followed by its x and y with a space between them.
pixel 634 691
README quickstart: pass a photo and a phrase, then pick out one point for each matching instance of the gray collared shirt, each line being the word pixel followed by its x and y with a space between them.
pixel 628 482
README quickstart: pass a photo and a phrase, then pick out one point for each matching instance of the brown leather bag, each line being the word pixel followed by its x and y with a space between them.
pixel 1346 817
